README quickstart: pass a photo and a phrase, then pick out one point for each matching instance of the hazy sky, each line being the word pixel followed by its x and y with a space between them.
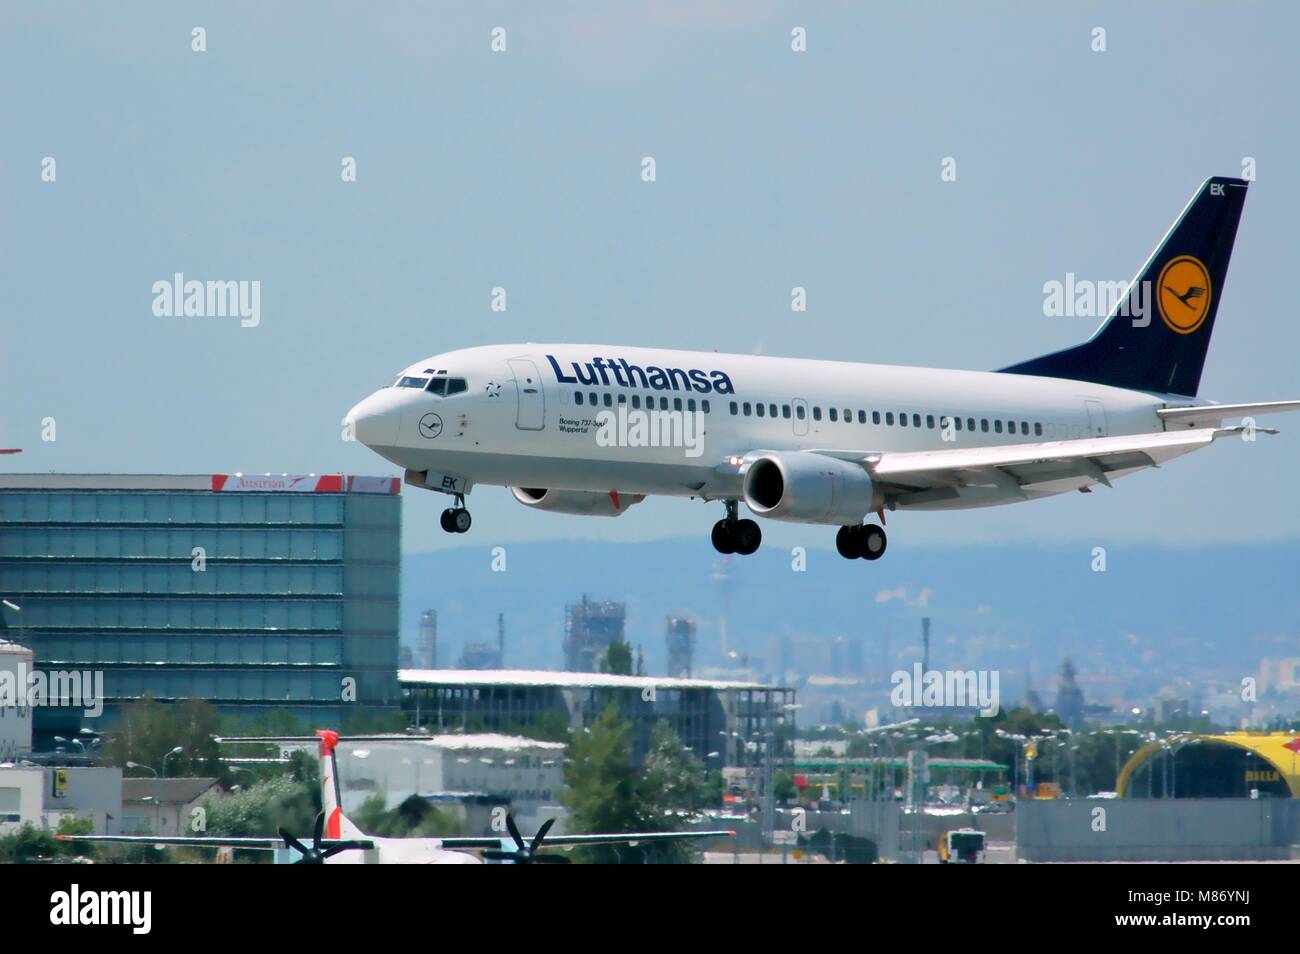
pixel 522 169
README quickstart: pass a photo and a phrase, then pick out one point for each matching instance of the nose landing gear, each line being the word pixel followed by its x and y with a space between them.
pixel 456 519
pixel 731 535
pixel 866 541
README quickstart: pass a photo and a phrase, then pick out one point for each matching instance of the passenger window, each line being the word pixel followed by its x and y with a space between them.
pixel 902 420
pixel 592 398
pixel 690 404
pixel 1024 428
pixel 817 413
pixel 609 401
pixel 799 412
pixel 663 404
pixel 997 426
pixel 833 414
pixel 862 417
pixel 1038 428
pixel 705 404
pixel 916 420
pixel 929 421
pixel 875 417
pixel 984 424
pixel 848 416
pixel 760 410
pixel 636 402
pixel 622 399
pixel 771 410
pixel 577 397
pixel 746 408
pixel 785 411
pixel 677 404
pixel 970 424
pixel 733 408
pixel 889 418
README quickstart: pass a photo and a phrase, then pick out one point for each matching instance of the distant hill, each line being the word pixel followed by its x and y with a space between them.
pixel 1156 612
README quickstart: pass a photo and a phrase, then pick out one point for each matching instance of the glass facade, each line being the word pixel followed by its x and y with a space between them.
pixel 254 600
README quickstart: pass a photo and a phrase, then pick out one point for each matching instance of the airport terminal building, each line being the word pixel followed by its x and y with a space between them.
pixel 256 593
pixel 725 723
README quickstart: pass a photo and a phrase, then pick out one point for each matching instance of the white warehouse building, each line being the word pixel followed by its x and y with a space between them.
pixel 15 715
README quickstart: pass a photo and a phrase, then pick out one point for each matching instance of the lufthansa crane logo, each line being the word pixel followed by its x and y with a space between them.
pixel 1184 294
pixel 430 426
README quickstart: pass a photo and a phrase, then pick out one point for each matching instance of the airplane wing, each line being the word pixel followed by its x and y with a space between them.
pixel 633 837
pixel 199 841
pixel 924 477
pixel 553 841
pixel 1211 415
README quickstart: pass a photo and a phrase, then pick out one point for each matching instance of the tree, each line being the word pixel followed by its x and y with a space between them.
pixel 783 787
pixel 261 809
pixel 413 818
pixel 30 843
pixel 672 778
pixel 601 785
pixel 148 730
pixel 618 659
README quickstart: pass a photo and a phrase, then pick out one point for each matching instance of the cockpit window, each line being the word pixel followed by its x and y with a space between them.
pixel 446 387
pixel 410 382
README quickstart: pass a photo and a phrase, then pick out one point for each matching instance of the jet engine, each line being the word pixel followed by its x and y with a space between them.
pixel 809 488
pixel 585 502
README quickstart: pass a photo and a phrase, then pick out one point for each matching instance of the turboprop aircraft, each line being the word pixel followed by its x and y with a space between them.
pixel 338 840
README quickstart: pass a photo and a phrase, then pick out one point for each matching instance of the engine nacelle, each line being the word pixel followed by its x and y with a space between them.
pixel 584 502
pixel 809 488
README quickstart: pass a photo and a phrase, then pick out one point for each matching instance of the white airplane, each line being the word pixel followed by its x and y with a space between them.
pixel 594 429
pixel 338 840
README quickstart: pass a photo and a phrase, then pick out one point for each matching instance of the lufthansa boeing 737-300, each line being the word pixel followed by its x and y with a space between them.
pixel 594 429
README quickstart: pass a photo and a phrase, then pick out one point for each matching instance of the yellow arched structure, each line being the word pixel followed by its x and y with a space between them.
pixel 1270 746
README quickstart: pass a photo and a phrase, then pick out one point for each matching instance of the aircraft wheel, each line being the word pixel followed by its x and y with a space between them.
pixel 848 543
pixel 460 520
pixel 448 520
pixel 724 539
pixel 748 537
pixel 872 542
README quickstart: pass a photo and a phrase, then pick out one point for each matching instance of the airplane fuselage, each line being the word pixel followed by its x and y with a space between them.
pixel 530 415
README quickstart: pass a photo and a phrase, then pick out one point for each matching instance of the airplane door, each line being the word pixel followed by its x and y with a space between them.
pixel 531 413
pixel 800 419
pixel 1096 418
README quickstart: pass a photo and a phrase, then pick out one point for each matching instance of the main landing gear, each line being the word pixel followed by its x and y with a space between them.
pixel 456 519
pixel 866 541
pixel 736 536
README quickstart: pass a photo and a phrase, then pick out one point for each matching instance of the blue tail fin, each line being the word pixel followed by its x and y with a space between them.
pixel 1157 336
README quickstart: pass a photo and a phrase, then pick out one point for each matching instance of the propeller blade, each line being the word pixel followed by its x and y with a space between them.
pixel 292 842
pixel 541 833
pixel 320 831
pixel 496 854
pixel 514 832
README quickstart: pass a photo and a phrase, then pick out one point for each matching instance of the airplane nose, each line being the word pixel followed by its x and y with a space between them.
pixel 377 419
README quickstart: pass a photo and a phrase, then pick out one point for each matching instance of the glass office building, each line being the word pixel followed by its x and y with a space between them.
pixel 255 593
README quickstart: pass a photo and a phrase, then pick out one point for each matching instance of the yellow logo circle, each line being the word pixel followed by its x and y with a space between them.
pixel 1183 294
